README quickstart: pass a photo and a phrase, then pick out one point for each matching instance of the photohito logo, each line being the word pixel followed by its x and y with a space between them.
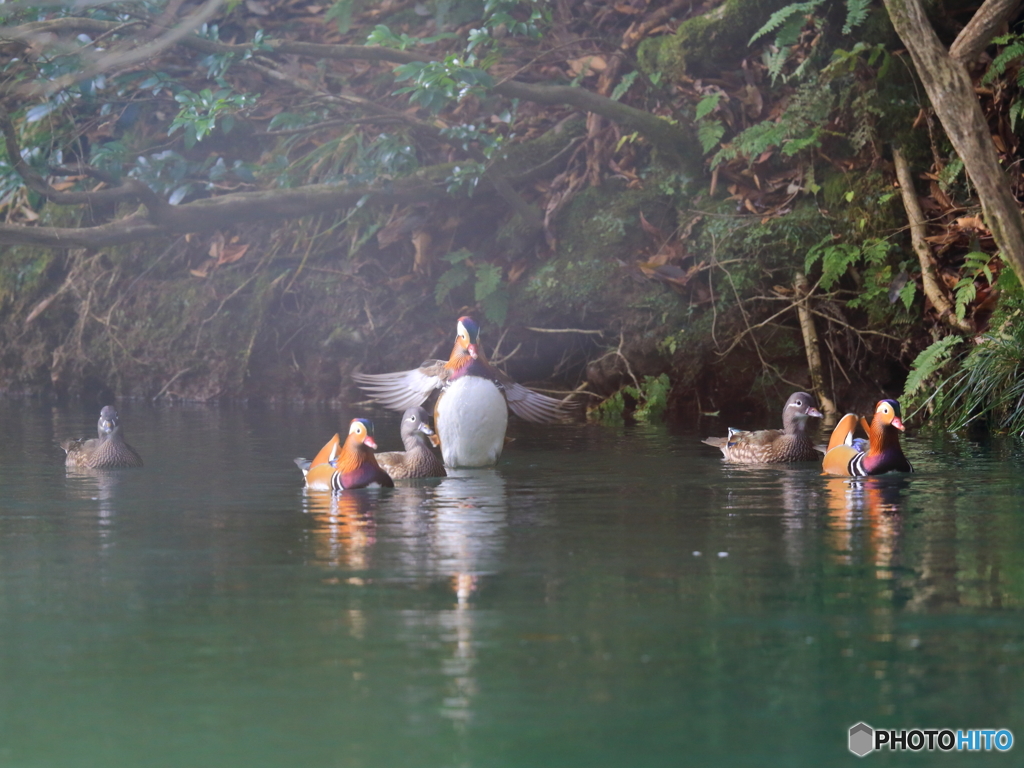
pixel 865 739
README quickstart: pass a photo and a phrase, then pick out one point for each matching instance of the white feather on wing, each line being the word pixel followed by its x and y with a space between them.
pixel 533 406
pixel 399 390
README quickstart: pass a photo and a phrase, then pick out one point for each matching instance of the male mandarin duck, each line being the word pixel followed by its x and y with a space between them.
pixel 345 466
pixel 106 451
pixel 417 460
pixel 471 413
pixel 774 446
pixel 848 455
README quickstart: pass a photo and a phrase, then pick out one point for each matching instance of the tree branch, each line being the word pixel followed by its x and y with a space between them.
pixel 214 213
pixel 929 279
pixel 953 98
pixel 129 190
pixel 128 230
pixel 144 52
pixel 983 26
pixel 678 141
pixel 812 347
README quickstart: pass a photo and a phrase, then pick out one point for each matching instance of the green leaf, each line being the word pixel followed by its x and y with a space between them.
pixel 856 13
pixel 488 278
pixel 965 292
pixel 927 363
pixel 623 86
pixel 783 15
pixel 384 37
pixel 457 257
pixel 709 134
pixel 449 281
pixel 708 104
pixel 653 398
pixel 495 306
pixel 907 293
pixel 341 14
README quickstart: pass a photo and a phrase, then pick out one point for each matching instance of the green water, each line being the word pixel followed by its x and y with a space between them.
pixel 603 598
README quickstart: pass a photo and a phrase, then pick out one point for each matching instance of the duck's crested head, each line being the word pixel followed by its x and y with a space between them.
pixel 467 335
pixel 108 419
pixel 887 413
pixel 360 432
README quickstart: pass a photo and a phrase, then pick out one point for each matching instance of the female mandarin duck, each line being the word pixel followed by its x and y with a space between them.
pixel 418 460
pixel 774 446
pixel 106 451
pixel 847 455
pixel 471 413
pixel 342 467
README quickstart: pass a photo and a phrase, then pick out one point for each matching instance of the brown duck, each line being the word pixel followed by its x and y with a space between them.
pixel 106 451
pixel 417 460
pixel 774 446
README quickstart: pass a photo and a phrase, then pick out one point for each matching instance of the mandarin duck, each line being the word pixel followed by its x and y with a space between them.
pixel 773 446
pixel 345 466
pixel 106 451
pixel 471 412
pixel 417 460
pixel 848 455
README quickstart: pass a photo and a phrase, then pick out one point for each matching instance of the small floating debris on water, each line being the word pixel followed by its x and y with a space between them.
pixel 696 553
pixel 723 554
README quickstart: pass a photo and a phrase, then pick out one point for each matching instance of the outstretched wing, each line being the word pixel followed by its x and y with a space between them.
pixel 402 389
pixel 533 406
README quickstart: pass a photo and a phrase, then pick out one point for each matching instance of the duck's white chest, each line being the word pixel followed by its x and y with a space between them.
pixel 471 417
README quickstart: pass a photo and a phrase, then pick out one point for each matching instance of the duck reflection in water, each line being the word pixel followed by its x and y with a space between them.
pixel 343 531
pixel 872 505
pixel 467 544
pixel 99 485
pixel 470 523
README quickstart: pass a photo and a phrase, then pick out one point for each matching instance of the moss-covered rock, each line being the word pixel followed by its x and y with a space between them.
pixel 703 45
pixel 600 239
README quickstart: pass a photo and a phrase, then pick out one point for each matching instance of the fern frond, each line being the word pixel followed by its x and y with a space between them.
pixel 709 133
pixel 1016 109
pixel 774 61
pixel 927 363
pixel 1013 51
pixel 965 292
pixel 789 32
pixel 783 15
pixel 708 104
pixel 949 174
pixel 856 13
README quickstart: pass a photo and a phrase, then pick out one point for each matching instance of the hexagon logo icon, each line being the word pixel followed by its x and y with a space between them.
pixel 862 738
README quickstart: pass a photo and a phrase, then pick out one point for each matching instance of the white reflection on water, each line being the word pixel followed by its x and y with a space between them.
pixel 99 485
pixel 467 542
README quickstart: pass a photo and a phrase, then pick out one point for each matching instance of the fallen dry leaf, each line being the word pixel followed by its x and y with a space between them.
pixel 203 270
pixel 649 228
pixel 589 65
pixel 232 253
pixel 216 245
pixel 970 222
